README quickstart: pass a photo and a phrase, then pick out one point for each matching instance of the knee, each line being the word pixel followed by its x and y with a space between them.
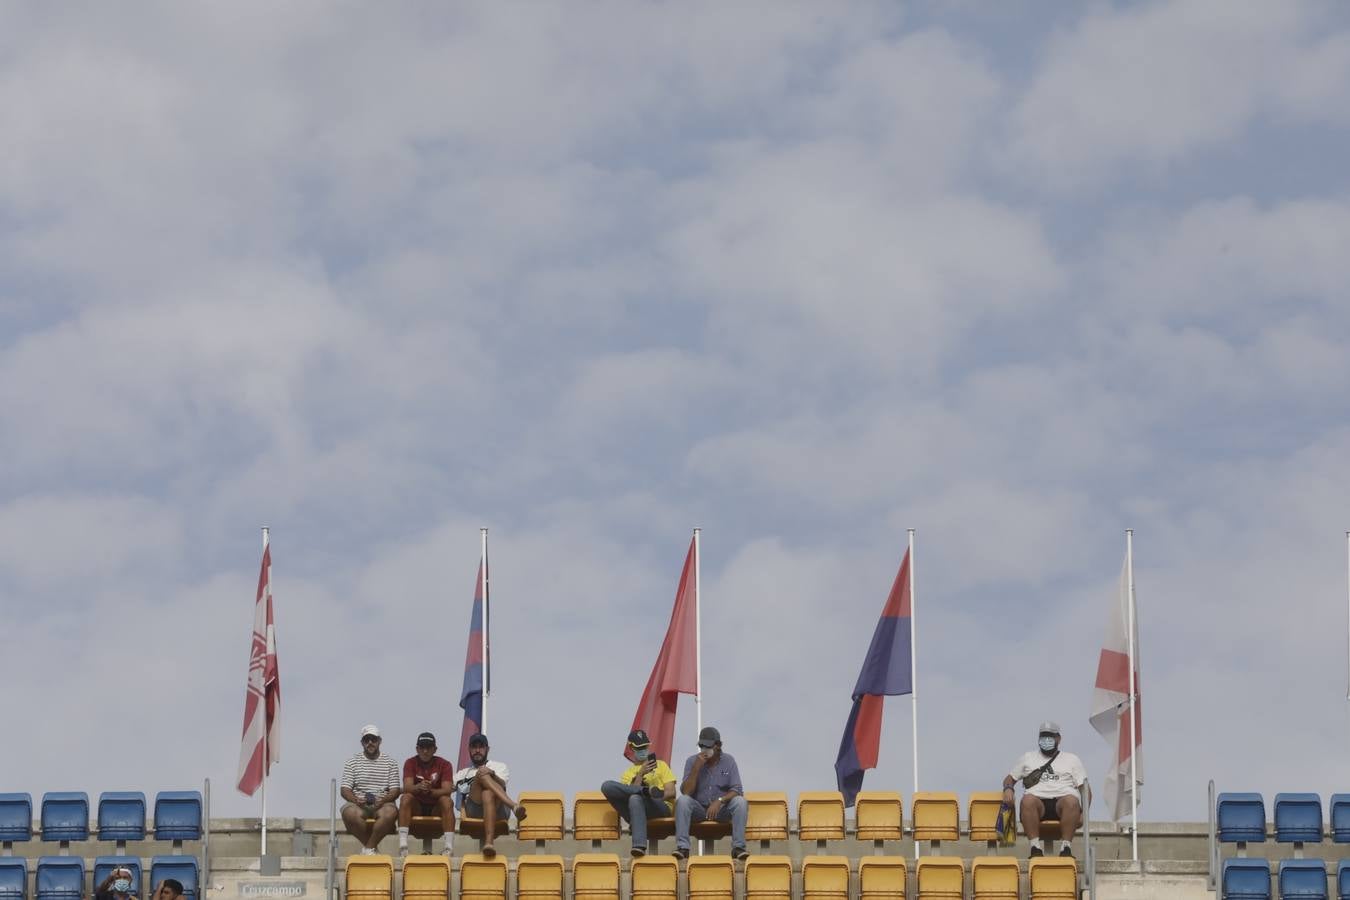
pixel 738 804
pixel 1068 805
pixel 1030 805
pixel 636 804
pixel 683 803
pixel 610 788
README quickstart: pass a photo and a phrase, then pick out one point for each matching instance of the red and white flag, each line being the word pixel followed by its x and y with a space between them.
pixel 676 668
pixel 262 703
pixel 1111 701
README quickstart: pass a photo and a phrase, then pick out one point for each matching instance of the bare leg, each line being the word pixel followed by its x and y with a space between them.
pixel 489 822
pixel 355 820
pixel 386 818
pixel 446 807
pixel 1032 810
pixel 1070 813
pixel 406 803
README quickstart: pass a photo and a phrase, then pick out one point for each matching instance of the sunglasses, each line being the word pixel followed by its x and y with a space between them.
pixel 370 739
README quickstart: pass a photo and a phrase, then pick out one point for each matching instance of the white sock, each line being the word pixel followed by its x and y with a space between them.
pixel 1040 844
pixel 403 835
pixel 367 851
pixel 449 841
pixel 1066 845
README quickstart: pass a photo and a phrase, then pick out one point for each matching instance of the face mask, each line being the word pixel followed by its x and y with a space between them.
pixel 122 885
pixel 1047 744
pixel 641 755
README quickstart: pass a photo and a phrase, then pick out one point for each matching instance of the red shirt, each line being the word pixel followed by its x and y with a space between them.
pixel 438 773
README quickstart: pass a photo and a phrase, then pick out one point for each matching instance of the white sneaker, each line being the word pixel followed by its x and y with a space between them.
pixel 402 849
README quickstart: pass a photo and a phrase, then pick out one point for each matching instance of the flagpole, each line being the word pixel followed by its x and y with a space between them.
pixel 1134 697
pixel 1347 582
pixel 266 534
pixel 698 632
pixel 913 662
pixel 483 634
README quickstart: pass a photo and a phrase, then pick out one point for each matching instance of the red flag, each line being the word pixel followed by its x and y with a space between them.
pixel 676 669
pixel 1111 706
pixel 262 701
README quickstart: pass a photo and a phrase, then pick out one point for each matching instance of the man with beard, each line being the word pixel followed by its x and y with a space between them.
pixel 370 786
pixel 482 789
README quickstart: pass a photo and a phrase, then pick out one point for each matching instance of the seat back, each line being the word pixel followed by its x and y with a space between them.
pixel 1240 818
pixel 882 878
pixel 1343 880
pixel 1052 878
pixel 994 878
pixel 103 866
pixel 593 818
pixel 880 816
pixel 13 878
pixel 936 816
pixel 1339 809
pixel 121 816
pixel 1298 818
pixel 540 877
pixel 820 816
pixel 481 878
pixel 184 868
pixel 65 816
pixel 768 878
pixel 1305 879
pixel 1244 879
pixel 710 877
pixel 656 878
pixel 368 877
pixel 595 876
pixel 16 817
pixel 60 878
pixel 768 816
pixel 426 877
pixel 983 815
pixel 939 878
pixel 178 816
pixel 825 878
pixel 545 820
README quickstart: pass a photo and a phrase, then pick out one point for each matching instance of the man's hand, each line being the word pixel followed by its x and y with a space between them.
pixel 648 767
pixel 714 808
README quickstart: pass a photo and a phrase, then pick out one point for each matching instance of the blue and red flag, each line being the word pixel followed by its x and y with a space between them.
pixel 885 671
pixel 471 696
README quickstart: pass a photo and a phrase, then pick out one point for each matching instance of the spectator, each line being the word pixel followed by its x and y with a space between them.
pixel 428 790
pixel 645 789
pixel 117 886
pixel 370 787
pixel 482 788
pixel 1052 779
pixel 711 790
pixel 169 889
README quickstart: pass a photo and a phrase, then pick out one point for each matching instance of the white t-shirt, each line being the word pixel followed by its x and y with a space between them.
pixel 1065 775
pixel 496 768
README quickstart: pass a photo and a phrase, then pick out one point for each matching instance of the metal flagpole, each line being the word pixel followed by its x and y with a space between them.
pixel 1347 582
pixel 1134 697
pixel 483 634
pixel 268 576
pixel 698 633
pixel 913 671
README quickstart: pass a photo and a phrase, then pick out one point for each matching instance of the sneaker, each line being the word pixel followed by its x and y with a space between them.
pixel 681 853
pixel 1037 851
pixel 367 851
pixel 448 852
pixel 740 854
pixel 489 851
pixel 402 850
pixel 1067 851
pixel 638 852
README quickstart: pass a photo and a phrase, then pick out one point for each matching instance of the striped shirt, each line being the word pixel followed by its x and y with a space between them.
pixel 370 776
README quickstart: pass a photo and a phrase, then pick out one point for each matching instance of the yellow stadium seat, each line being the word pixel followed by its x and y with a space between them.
pixel 1052 878
pixel 939 878
pixel 820 816
pixel 481 878
pixel 711 877
pixel 937 816
pixel 426 878
pixel 768 819
pixel 593 818
pixel 427 828
pixel 370 877
pixel 595 876
pixel 994 878
pixel 881 878
pixel 983 815
pixel 825 878
pixel 545 819
pixel 539 877
pixel 768 878
pixel 880 816
pixel 656 878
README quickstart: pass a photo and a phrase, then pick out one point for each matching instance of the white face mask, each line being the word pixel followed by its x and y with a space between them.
pixel 641 754
pixel 1047 743
pixel 122 885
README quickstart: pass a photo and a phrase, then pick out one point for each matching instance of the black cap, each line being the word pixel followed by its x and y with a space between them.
pixel 477 739
pixel 708 736
pixel 427 738
pixel 638 738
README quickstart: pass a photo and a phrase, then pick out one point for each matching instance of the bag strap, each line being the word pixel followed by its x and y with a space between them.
pixel 1043 769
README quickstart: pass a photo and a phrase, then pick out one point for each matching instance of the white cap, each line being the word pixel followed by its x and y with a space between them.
pixel 370 731
pixel 1046 728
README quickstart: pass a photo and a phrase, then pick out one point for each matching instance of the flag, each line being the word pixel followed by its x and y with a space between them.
pixel 471 696
pixel 262 700
pixel 1111 703
pixel 885 671
pixel 676 669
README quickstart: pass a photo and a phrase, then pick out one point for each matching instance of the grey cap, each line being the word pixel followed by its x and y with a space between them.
pixel 708 736
pixel 1049 728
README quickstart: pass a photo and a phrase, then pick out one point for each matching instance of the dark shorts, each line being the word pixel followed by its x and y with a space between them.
pixel 1051 807
pixel 474 811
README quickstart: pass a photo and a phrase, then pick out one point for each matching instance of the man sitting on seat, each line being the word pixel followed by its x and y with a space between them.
pixel 370 787
pixel 645 789
pixel 117 886
pixel 482 789
pixel 711 790
pixel 1052 779
pixel 169 889
pixel 428 790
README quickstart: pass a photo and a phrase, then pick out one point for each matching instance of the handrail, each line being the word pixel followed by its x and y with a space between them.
pixel 1212 882
pixel 330 877
pixel 206 839
pixel 1089 854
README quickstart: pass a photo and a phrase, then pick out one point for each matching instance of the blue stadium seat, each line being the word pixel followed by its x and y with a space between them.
pixel 1305 879
pixel 1241 818
pixel 16 817
pixel 1343 879
pixel 1245 879
pixel 1340 818
pixel 178 816
pixel 184 868
pixel 60 878
pixel 1298 818
pixel 121 816
pixel 13 878
pixel 103 865
pixel 65 816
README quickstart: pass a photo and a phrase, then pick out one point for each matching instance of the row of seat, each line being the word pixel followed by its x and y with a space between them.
pixel 1241 818
pixel 121 817
pixel 1306 879
pixel 596 876
pixel 63 877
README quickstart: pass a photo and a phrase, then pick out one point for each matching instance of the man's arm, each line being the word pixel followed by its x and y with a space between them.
pixel 392 789
pixel 692 767
pixel 348 789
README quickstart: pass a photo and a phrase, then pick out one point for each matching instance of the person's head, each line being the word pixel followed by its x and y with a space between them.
pixel 121 880
pixel 478 749
pixel 709 741
pixel 170 889
pixel 426 746
pixel 1048 738
pixel 640 745
pixel 370 741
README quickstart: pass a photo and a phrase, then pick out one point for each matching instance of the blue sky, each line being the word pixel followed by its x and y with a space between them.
pixel 592 275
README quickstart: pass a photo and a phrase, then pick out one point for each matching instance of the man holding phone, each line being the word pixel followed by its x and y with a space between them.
pixel 645 790
pixel 711 790
pixel 428 790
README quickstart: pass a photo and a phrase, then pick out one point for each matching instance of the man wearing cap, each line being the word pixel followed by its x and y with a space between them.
pixel 1052 779
pixel 482 789
pixel 711 790
pixel 370 787
pixel 428 790
pixel 645 790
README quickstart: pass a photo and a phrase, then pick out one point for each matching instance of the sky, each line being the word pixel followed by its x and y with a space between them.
pixel 1018 276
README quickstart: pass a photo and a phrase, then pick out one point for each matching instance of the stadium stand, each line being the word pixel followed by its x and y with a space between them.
pixel 1340 818
pixel 1298 819
pixel 936 816
pixel 595 876
pixel 768 818
pixel 368 878
pixel 1343 880
pixel 983 816
pixel 184 868
pixel 939 878
pixel 60 878
pixel 545 821
pixel 880 816
pixel 13 878
pixel 1241 818
pixel 103 866
pixel 820 817
pixel 994 878
pixel 825 878
pixel 1245 879
pixel 121 817
pixel 1052 878
pixel 481 878
pixel 1305 879
pixel 593 819
pixel 178 816
pixel 426 877
pixel 16 819
pixel 711 878
pixel 768 878
pixel 655 878
pixel 65 817
pixel 540 877
pixel 882 878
